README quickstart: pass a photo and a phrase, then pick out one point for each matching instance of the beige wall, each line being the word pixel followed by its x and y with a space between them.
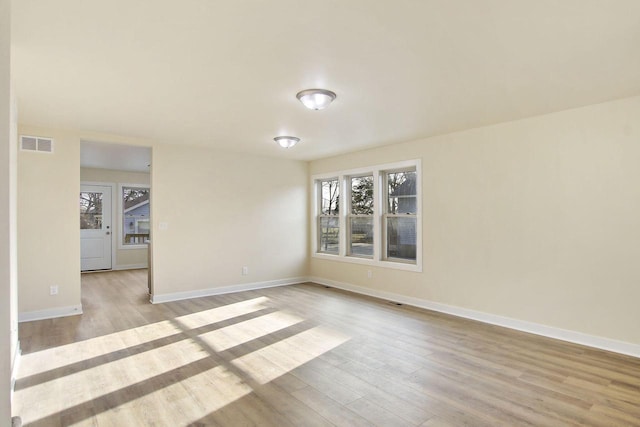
pixel 8 336
pixel 536 220
pixel 224 211
pixel 125 258
pixel 48 232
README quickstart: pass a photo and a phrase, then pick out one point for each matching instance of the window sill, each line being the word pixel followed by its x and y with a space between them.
pixel 136 246
pixel 370 262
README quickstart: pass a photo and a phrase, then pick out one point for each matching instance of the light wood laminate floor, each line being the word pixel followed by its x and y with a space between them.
pixel 304 355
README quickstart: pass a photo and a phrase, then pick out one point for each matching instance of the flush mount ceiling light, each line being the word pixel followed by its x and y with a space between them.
pixel 286 141
pixel 316 99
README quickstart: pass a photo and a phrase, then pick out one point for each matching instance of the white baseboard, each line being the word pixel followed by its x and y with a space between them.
pixel 507 322
pixel 176 296
pixel 51 313
pixel 129 267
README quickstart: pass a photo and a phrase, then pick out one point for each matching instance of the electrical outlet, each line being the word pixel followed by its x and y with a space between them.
pixel 53 290
pixel 369 274
pixel 245 270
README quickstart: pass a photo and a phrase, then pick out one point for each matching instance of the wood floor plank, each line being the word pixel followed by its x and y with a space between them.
pixel 335 412
pixel 445 408
pixel 376 414
pixel 304 355
pixel 391 403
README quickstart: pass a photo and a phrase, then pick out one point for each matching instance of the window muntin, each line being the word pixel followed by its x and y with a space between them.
pixel 135 215
pixel 329 216
pixel 400 216
pixel 361 210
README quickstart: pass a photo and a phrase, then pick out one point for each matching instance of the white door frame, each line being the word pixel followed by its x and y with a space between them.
pixel 113 212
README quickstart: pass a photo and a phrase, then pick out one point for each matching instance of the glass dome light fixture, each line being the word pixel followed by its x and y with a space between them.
pixel 286 141
pixel 316 99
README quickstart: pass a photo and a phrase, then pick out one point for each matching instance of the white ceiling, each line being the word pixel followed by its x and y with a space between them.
pixel 225 73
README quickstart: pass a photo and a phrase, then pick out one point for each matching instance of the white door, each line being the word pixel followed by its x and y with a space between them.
pixel 95 227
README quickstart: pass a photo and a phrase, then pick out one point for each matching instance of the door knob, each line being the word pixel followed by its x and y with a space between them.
pixel 108 232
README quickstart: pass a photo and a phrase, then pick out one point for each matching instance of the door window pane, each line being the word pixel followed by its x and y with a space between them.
pixel 90 211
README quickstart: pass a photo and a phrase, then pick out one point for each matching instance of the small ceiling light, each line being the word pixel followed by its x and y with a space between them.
pixel 286 141
pixel 316 99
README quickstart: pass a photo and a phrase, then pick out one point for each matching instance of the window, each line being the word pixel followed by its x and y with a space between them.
pixel 380 218
pixel 135 215
pixel 328 216
pixel 361 217
pixel 90 211
pixel 399 218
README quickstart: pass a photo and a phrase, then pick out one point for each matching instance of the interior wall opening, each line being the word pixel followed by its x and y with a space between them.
pixel 114 207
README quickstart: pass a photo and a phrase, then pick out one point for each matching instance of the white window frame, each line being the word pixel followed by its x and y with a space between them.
pixel 378 172
pixel 351 215
pixel 385 214
pixel 320 215
pixel 121 244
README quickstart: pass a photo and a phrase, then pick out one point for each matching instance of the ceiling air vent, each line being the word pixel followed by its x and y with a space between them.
pixel 36 143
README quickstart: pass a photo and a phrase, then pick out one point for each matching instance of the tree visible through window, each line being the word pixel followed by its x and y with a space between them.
pixel 400 216
pixel 135 215
pixel 361 216
pixel 328 218
pixel 377 222
pixel 90 211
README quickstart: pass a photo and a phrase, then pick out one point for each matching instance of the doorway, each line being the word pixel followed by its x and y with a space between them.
pixel 116 178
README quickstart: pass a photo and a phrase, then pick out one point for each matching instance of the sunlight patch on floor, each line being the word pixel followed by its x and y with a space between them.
pixel 270 362
pixel 240 333
pixel 219 314
pixel 53 358
pixel 68 354
pixel 136 377
pixel 186 401
pixel 74 389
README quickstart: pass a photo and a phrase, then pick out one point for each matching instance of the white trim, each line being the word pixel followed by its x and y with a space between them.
pixel 130 266
pixel 316 203
pixel 177 296
pixel 377 210
pixel 134 246
pixel 342 217
pixel 368 261
pixel 493 319
pixel 51 313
